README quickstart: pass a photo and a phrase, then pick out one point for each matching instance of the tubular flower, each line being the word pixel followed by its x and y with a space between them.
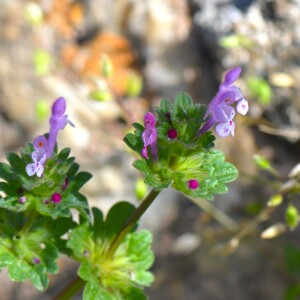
pixel 58 121
pixel 220 111
pixel 149 136
pixel 43 147
pixel 39 157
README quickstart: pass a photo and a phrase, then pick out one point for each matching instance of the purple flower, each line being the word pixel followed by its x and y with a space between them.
pixel 58 121
pixel 149 136
pixel 39 157
pixel 220 111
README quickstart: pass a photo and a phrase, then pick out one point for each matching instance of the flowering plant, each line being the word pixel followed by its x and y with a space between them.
pixel 42 185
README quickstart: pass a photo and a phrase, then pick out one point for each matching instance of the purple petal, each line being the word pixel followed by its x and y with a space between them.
pixel 220 115
pixel 237 92
pixel 39 156
pixel 58 122
pixel 149 120
pixel 229 112
pixel 40 143
pixel 209 124
pixel 224 129
pixel 242 106
pixel 145 153
pixel 225 97
pixel 149 136
pixel 30 169
pixel 59 107
pixel 39 168
pixel 153 148
pixel 232 75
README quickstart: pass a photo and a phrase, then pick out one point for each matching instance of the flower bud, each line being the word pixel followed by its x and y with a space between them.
pixel 56 198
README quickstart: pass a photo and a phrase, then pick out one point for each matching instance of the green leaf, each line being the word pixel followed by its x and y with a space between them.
pixel 64 154
pixel 7 189
pixel 138 126
pixel 182 101
pixel 292 216
pixel 81 179
pixel 165 105
pixel 17 164
pixel 73 170
pixel 130 140
pixel 19 247
pixel 140 165
pixel 98 220
pixel 140 251
pixel 117 217
pixel 5 172
pixel 93 291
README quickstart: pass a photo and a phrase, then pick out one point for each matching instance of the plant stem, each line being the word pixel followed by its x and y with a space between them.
pixel 71 289
pixel 132 221
pixel 30 219
pixel 220 216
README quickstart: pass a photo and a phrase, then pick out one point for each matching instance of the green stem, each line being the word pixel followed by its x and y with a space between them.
pixel 132 221
pixel 71 289
pixel 31 217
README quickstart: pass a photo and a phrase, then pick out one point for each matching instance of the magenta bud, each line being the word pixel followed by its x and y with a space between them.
pixel 172 134
pixel 46 201
pixel 22 200
pixel 36 260
pixel 193 184
pixel 56 198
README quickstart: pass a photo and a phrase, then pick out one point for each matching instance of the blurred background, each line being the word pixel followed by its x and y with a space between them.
pixel 156 48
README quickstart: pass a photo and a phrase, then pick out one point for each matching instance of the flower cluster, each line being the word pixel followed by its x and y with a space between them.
pixel 220 111
pixel 44 148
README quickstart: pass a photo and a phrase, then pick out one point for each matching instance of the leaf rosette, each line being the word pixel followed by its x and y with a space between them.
pixel 116 277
